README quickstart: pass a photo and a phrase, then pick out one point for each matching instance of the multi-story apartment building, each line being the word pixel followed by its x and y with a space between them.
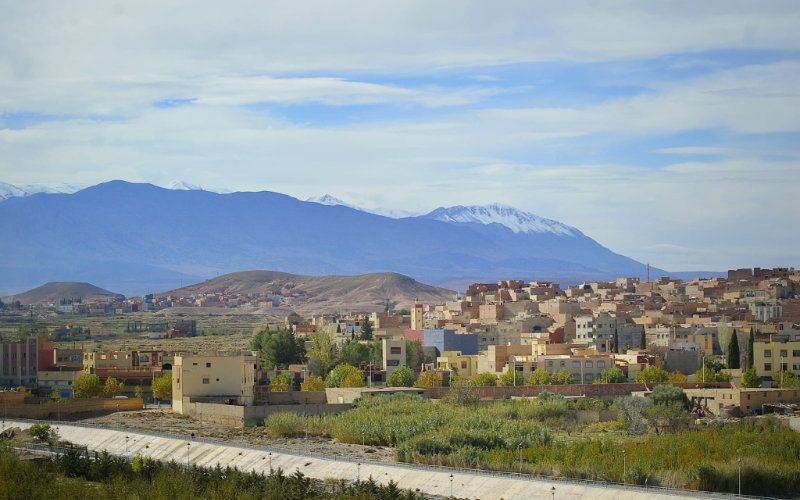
pixel 19 363
pixel 781 353
pixel 228 379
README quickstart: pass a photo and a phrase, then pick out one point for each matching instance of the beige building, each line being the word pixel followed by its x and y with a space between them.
pixel 226 379
pixel 463 364
pixel 394 354
pixel 416 316
pixel 740 400
pixel 585 369
pixel 782 353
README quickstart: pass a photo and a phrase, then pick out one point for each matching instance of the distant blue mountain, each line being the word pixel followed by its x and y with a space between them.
pixel 135 238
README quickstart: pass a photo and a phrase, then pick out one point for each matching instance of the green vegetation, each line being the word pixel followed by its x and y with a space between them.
pixel 162 387
pixel 312 383
pixel 278 349
pixel 710 374
pixel 75 475
pixel 42 432
pixel 750 353
pixel 344 375
pixel 652 375
pixel 613 376
pixel 554 442
pixel 112 388
pixel 87 386
pixel 750 378
pixel 733 358
pixel 366 329
pixel 429 379
pixel 785 380
pixel 401 377
pixel 485 379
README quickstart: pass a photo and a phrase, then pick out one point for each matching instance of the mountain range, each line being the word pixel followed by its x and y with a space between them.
pixel 138 238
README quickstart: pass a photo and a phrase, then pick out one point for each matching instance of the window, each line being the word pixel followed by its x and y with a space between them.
pixel 601 364
pixel 767 354
pixel 392 362
pixel 463 364
pixel 395 350
pixel 588 364
pixel 206 381
pixel 576 364
pixel 563 363
pixel 767 367
pixel 208 365
pixel 796 354
pixel 589 377
pixel 784 353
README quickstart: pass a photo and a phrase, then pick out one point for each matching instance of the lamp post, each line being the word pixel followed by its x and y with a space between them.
pixel 624 466
pixel 126 444
pixel 739 462
pixel 553 492
pixel 270 461
pixel 362 436
pixel 520 458
pixel 703 367
pixel 451 486
pixel 358 477
pixel 187 454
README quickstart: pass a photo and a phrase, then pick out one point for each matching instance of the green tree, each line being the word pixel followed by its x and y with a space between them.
pixel 355 353
pixel 651 375
pixel 539 377
pixel 338 375
pixel 616 341
pixel 42 432
pixel 677 377
pixel 710 374
pixel 643 339
pixel 785 380
pixel 734 359
pixel 353 379
pixel 750 378
pixel 429 379
pixel 112 388
pixel 162 387
pixel 87 386
pixel 485 379
pixel 414 355
pixel 613 375
pixel 750 353
pixel 323 355
pixel 401 377
pixel 512 377
pixel 666 416
pixel 279 349
pixel 666 394
pixel 563 377
pixel 138 392
pixel 366 329
pixel 281 382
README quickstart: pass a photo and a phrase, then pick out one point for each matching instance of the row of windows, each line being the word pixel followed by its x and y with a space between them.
pixel 784 353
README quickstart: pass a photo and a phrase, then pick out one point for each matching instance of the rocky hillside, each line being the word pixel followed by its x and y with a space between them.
pixel 56 290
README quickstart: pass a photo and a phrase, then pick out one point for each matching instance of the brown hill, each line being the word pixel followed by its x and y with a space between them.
pixel 55 290
pixel 321 294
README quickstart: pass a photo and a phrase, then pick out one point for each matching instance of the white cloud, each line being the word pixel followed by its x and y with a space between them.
pixel 697 150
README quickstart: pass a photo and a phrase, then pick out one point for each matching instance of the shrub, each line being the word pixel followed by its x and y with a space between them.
pixel 401 377
pixel 42 432
pixel 539 377
pixel 429 379
pixel 485 379
pixel 312 384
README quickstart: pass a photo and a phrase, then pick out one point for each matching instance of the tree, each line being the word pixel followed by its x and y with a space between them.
pixel 162 387
pixel 539 377
pixel 677 377
pixel 485 379
pixel 651 375
pixel 643 339
pixel 511 378
pixel 613 376
pixel 631 412
pixel 711 375
pixel 734 359
pixel 279 349
pixel 87 386
pixel 312 384
pixel 112 388
pixel 785 380
pixel 670 415
pixel 281 382
pixel 401 377
pixel 414 355
pixel 429 379
pixel 366 329
pixel 750 378
pixel 665 394
pixel 355 353
pixel 138 392
pixel 42 432
pixel 323 354
pixel 563 377
pixel 338 375
pixel 750 341
pixel 353 379
pixel 616 341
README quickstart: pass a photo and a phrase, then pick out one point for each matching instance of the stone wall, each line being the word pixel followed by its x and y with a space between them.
pixel 237 416
pixel 49 410
pixel 605 392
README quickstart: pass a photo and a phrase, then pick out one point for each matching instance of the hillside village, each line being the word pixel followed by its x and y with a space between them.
pixel 506 334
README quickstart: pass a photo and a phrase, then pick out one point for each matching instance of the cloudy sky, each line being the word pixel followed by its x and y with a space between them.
pixel 668 131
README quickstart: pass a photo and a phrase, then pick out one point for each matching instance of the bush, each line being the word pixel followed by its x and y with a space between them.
pixel 401 377
pixel 338 375
pixel 485 379
pixel 42 432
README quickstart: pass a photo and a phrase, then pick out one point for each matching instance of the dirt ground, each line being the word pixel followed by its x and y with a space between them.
pixel 165 420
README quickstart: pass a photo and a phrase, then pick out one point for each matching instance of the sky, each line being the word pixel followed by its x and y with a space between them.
pixel 669 131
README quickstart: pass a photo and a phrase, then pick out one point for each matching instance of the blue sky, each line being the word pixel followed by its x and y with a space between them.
pixel 668 131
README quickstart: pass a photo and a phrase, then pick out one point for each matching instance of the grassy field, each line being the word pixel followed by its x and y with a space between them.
pixel 546 434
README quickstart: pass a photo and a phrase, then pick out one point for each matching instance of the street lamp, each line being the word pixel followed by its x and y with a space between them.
pixel 520 458
pixel 553 492
pixel 358 477
pixel 739 461
pixel 451 486
pixel 270 461
pixel 187 454
pixel 126 444
pixel 362 436
pixel 624 466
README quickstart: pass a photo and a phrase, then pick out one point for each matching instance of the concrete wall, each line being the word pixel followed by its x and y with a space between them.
pixel 72 406
pixel 605 392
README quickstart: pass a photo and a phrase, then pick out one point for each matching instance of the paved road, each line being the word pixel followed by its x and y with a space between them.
pixel 430 480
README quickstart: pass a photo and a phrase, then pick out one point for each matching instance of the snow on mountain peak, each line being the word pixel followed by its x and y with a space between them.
pixel 185 186
pixel 327 199
pixel 12 191
pixel 516 220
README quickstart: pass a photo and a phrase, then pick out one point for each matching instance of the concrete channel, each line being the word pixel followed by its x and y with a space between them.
pixel 438 481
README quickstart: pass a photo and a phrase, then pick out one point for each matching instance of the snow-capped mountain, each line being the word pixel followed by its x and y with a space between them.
pixel 11 191
pixel 516 220
pixel 386 212
pixel 331 201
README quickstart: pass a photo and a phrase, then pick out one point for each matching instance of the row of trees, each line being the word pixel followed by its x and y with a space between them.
pixel 89 386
